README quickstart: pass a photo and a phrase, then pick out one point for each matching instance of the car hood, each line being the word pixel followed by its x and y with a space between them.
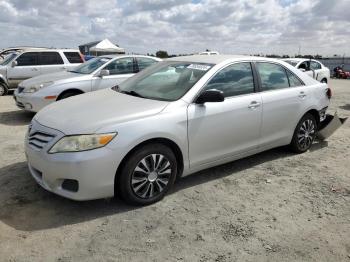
pixel 53 77
pixel 85 114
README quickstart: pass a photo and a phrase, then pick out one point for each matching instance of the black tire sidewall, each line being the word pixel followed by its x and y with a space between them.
pixel 294 144
pixel 124 179
pixel 5 89
pixel 67 95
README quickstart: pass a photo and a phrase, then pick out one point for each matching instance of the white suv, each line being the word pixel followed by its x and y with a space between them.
pixel 311 67
pixel 20 66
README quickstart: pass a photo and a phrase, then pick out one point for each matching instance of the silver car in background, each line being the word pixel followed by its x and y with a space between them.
pixel 95 74
pixel 175 118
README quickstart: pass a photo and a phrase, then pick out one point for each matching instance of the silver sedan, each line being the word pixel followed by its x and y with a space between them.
pixel 96 74
pixel 173 119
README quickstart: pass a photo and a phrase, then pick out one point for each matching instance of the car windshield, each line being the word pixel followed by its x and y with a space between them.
pixel 91 65
pixel 291 62
pixel 8 59
pixel 165 81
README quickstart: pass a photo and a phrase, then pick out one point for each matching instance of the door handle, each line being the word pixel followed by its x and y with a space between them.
pixel 254 104
pixel 302 94
pixel 34 69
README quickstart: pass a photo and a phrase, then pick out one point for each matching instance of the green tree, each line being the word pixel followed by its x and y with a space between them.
pixel 162 54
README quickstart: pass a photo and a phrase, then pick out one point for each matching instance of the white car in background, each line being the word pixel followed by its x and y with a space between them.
pixel 312 67
pixel 95 74
pixel 31 62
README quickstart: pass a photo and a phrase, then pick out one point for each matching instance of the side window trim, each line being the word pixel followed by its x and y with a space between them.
pixel 255 82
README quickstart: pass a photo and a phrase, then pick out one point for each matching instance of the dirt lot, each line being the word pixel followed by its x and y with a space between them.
pixel 274 206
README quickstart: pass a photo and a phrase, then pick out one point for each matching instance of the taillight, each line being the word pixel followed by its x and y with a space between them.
pixel 329 92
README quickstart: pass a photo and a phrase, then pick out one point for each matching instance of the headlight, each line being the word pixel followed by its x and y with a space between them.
pixel 81 142
pixel 37 87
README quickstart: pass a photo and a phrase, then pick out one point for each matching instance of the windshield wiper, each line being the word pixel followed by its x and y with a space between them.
pixel 132 93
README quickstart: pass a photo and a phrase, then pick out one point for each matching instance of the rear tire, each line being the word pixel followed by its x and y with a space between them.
pixel 147 175
pixel 3 89
pixel 304 134
pixel 67 94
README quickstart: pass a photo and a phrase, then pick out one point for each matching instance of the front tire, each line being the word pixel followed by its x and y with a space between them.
pixel 147 174
pixel 304 134
pixel 3 89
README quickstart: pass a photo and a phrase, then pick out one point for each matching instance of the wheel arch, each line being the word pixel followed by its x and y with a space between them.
pixel 315 114
pixel 73 90
pixel 161 140
pixel 3 80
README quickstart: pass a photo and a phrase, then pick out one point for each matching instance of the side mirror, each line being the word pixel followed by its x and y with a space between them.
pixel 302 69
pixel 212 95
pixel 14 63
pixel 103 73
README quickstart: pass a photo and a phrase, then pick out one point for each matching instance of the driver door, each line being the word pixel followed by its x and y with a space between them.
pixel 218 131
pixel 119 69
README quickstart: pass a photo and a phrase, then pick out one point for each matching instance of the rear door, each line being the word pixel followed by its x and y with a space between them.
pixel 119 69
pixel 283 97
pixel 221 130
pixel 317 69
pixel 27 67
pixel 51 62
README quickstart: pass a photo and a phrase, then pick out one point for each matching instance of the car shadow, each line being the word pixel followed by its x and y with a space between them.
pixel 345 107
pixel 26 206
pixel 16 118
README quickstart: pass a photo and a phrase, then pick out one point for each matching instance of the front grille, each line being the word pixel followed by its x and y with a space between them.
pixel 38 140
pixel 20 89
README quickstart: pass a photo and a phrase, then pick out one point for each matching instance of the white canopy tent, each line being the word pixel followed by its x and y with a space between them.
pixel 106 46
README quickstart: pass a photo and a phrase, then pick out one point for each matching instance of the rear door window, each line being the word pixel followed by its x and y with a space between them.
pixel 294 80
pixel 144 62
pixel 315 66
pixel 272 76
pixel 74 57
pixel 50 58
pixel 28 59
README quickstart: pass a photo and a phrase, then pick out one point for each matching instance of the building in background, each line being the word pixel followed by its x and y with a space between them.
pixel 97 48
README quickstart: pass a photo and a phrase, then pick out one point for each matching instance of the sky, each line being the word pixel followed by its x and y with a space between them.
pixel 182 26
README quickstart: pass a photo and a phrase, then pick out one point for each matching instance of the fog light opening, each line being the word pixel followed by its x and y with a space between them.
pixel 70 185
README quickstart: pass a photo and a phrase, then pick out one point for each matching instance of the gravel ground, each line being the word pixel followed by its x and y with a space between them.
pixel 274 206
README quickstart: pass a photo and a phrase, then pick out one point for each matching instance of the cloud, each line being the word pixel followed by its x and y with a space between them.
pixel 181 26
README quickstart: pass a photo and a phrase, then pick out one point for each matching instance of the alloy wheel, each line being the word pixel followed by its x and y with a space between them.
pixel 306 134
pixel 151 176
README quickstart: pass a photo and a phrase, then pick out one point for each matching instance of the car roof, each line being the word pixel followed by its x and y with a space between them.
pixel 40 49
pixel 217 59
pixel 123 55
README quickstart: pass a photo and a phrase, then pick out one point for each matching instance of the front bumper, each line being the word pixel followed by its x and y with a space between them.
pixel 94 170
pixel 30 101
